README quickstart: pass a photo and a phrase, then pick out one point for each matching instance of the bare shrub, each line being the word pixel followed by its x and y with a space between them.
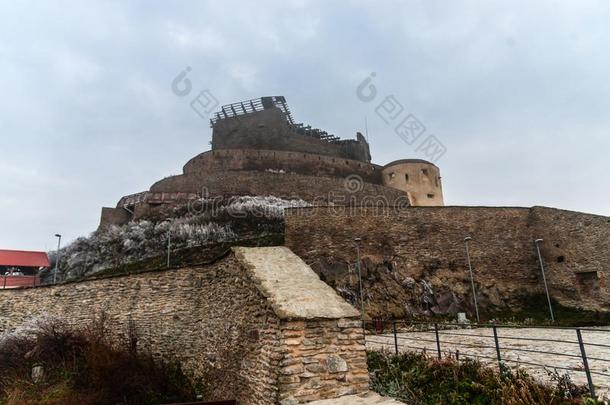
pixel 82 365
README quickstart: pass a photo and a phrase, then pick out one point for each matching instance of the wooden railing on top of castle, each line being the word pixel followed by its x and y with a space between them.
pixel 251 106
pixel 132 199
pixel 260 104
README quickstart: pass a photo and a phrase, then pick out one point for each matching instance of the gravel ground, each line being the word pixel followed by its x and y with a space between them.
pixel 370 398
pixel 515 345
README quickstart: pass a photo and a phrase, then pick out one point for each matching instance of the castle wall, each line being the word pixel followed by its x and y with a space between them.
pixel 295 162
pixel 210 318
pixel 268 129
pixel 427 243
pixel 285 185
pixel 577 247
pixel 114 216
pixel 214 319
pixel 421 180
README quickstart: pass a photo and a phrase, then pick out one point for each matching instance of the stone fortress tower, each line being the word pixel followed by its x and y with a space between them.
pixel 259 149
pixel 420 179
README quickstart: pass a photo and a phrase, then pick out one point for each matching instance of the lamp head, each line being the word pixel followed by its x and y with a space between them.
pixel 538 241
pixel 467 239
pixel 357 240
pixel 57 235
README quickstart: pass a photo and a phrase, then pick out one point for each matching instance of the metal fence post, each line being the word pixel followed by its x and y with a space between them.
pixel 395 337
pixel 438 341
pixel 583 353
pixel 497 346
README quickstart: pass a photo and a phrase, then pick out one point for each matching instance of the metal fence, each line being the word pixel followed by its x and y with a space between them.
pixel 544 348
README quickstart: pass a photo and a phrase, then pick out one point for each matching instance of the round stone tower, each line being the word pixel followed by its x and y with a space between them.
pixel 420 179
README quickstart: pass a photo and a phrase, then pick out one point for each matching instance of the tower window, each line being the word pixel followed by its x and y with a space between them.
pixel 391 175
pixel 430 195
pixel 424 172
pixel 407 177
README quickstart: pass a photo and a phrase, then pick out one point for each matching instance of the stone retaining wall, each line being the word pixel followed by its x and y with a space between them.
pixel 401 247
pixel 233 324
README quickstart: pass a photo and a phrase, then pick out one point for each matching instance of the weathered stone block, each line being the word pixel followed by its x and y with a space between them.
pixel 336 364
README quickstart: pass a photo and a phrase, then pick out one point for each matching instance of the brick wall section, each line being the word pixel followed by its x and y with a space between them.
pixel 217 323
pixel 427 243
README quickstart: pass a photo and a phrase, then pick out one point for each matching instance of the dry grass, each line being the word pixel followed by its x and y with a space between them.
pixel 418 379
pixel 81 366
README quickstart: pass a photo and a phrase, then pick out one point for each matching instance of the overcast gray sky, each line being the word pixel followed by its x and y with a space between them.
pixel 517 91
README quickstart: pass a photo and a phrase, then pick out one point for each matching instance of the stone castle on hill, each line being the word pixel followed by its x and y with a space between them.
pixel 276 323
pixel 259 149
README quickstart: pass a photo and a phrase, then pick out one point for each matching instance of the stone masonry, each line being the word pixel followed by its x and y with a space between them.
pixel 401 246
pixel 256 325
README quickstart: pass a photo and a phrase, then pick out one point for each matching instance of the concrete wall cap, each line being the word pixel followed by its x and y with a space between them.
pixel 292 288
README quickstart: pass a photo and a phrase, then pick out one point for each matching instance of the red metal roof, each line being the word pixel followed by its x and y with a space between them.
pixel 23 258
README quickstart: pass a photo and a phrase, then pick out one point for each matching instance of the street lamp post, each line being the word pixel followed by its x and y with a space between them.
pixel 474 293
pixel 57 258
pixel 546 287
pixel 357 240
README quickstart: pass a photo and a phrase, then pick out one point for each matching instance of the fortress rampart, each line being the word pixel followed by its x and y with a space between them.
pixel 290 162
pixel 428 243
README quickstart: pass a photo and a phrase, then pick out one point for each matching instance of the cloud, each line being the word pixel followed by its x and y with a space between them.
pixel 87 115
